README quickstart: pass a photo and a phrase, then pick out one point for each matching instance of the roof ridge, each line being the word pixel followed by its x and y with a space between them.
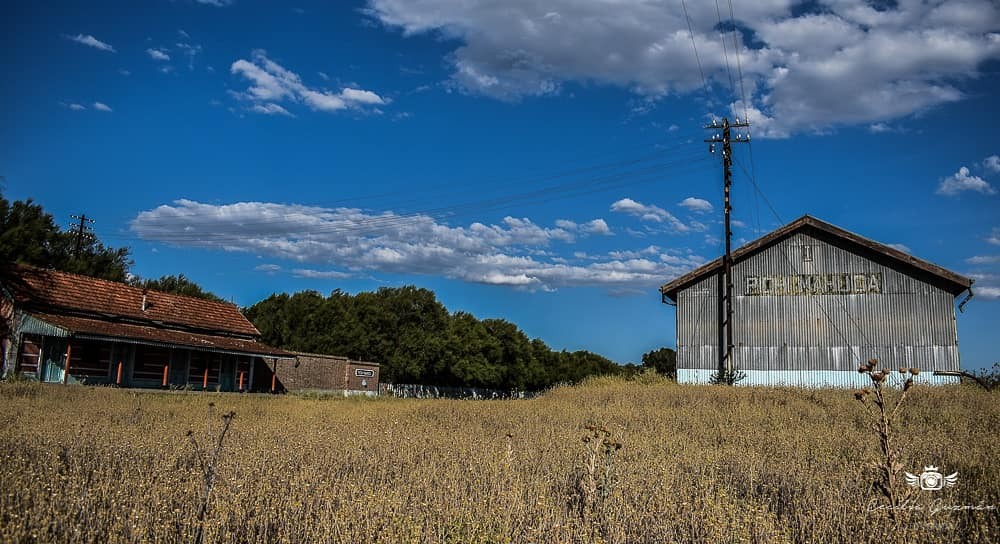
pixel 775 235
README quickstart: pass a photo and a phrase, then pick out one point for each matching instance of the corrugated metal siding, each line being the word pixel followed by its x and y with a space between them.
pixel 808 378
pixel 911 323
pixel 33 325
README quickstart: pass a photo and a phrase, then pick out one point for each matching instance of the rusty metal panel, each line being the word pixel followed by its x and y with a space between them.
pixel 787 322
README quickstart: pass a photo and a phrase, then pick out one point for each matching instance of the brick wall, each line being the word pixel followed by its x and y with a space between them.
pixel 327 372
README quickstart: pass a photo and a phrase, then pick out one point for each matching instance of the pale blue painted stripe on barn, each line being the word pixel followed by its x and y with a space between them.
pixel 806 378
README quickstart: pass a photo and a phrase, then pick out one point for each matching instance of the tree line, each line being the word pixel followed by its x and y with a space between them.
pixel 406 330
pixel 416 339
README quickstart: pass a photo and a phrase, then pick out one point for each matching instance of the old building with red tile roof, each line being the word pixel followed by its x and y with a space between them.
pixel 66 328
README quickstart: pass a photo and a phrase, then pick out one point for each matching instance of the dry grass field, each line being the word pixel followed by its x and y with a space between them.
pixel 607 461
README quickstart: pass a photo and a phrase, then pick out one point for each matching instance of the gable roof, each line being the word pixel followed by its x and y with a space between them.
pixel 930 272
pixel 52 292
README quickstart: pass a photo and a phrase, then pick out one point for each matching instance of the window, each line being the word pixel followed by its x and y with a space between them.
pixel 807 254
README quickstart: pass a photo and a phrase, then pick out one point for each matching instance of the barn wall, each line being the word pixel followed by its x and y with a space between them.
pixel 908 323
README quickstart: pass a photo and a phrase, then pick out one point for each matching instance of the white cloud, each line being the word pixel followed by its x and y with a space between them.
pixel 321 274
pixel 987 292
pixel 992 164
pixel 76 107
pixel 964 181
pixel 994 237
pixel 216 3
pixel 984 259
pixel 158 54
pixel 696 204
pixel 91 41
pixel 901 247
pixel 269 269
pixel 101 106
pixel 850 65
pixel 271 81
pixel 597 226
pixel 268 108
pixel 513 253
pixel 649 212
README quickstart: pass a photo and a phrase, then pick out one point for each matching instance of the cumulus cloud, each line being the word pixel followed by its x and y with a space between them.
pixel 321 274
pixel 272 82
pixel 839 63
pixel 268 108
pixel 901 247
pixel 992 164
pixel 158 54
pixel 269 269
pixel 962 181
pixel 984 259
pixel 91 41
pixel 513 253
pixel 696 204
pixel 988 292
pixel 216 3
pixel 101 106
pixel 994 237
pixel 649 212
pixel 76 107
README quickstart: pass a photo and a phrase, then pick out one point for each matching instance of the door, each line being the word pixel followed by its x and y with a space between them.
pixel 53 360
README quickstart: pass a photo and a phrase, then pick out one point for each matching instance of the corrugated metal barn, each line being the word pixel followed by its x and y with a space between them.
pixel 812 301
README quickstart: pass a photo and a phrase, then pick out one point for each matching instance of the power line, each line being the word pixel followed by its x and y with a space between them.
pixel 380 223
pixel 725 49
pixel 697 59
pixel 746 110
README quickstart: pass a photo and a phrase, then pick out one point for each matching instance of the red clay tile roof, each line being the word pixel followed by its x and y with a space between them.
pixel 58 292
pixel 142 333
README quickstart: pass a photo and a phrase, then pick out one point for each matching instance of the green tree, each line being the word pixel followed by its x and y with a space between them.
pixel 663 361
pixel 178 285
pixel 416 340
pixel 28 235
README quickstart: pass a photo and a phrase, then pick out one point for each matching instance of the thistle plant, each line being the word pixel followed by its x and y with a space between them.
pixel 594 481
pixel 884 411
pixel 208 460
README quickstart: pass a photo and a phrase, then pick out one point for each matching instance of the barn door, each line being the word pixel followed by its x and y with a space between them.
pixel 53 360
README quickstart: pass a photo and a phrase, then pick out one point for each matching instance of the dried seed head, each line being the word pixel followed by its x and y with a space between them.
pixel 902 370
pixel 914 371
pixel 872 363
pixel 879 377
pixel 862 369
pixel 858 395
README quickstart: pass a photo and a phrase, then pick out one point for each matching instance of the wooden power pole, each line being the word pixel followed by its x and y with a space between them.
pixel 81 230
pixel 724 138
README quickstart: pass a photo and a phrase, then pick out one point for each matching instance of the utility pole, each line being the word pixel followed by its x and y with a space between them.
pixel 81 230
pixel 726 323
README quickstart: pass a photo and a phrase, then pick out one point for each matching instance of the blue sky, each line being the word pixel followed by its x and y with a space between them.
pixel 536 161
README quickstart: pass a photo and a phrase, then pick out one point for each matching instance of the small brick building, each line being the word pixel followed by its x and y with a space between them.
pixel 316 372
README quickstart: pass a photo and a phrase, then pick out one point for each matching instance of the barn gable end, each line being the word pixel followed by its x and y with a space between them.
pixel 810 304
